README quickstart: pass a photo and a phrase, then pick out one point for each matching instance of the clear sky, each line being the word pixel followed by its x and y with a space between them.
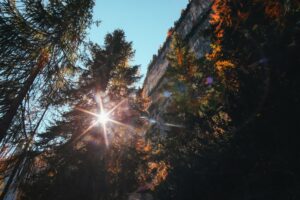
pixel 145 23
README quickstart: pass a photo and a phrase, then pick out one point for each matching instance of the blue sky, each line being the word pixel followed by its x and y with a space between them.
pixel 145 23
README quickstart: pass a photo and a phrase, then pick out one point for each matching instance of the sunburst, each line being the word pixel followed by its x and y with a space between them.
pixel 102 118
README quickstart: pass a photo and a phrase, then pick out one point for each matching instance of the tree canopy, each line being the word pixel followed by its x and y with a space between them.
pixel 220 126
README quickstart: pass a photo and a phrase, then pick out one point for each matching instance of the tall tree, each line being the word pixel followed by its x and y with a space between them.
pixel 75 153
pixel 38 42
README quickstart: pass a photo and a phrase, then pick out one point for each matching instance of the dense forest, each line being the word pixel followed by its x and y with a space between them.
pixel 74 124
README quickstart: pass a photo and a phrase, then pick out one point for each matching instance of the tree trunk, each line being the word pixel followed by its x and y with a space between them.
pixel 12 111
pixel 21 158
pixel 12 176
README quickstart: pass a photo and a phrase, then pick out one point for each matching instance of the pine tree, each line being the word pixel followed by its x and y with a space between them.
pixel 37 55
pixel 74 153
pixel 38 43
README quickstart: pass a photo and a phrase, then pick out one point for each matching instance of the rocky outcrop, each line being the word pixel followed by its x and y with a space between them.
pixel 193 27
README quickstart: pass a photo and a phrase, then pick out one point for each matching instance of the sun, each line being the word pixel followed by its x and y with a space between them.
pixel 103 117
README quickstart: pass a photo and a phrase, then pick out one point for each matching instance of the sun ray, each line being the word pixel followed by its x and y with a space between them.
pixel 173 125
pixel 105 134
pixel 115 107
pixel 86 130
pixel 100 103
pixel 120 123
pixel 102 117
pixel 86 111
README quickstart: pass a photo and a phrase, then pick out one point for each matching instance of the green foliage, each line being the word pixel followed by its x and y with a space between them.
pixel 196 90
pixel 247 124
pixel 72 155
pixel 39 44
pixel 38 50
pixel 231 116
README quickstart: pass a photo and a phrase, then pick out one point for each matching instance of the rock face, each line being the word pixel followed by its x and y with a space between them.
pixel 193 26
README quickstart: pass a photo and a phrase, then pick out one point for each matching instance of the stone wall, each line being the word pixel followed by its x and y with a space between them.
pixel 192 27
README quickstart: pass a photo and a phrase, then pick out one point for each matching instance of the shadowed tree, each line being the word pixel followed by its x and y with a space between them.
pixel 38 43
pixel 76 163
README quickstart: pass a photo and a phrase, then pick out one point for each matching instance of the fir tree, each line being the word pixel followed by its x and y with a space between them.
pixel 75 154
pixel 39 47
pixel 39 42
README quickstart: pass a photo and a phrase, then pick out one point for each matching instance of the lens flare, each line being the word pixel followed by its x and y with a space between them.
pixel 103 118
